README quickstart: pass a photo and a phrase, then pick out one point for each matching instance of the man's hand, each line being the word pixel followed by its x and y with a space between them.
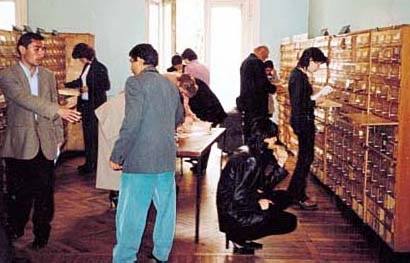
pixel 69 115
pixel 71 102
pixel 84 89
pixel 115 166
pixel 264 203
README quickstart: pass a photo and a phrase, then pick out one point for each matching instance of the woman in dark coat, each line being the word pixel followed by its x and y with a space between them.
pixel 248 207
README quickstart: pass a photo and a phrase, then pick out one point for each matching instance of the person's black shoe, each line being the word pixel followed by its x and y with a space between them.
pixel 243 250
pixel 153 258
pixel 113 197
pixel 38 244
pixel 82 167
pixel 254 245
pixel 191 161
pixel 195 169
pixel 307 205
pixel 85 169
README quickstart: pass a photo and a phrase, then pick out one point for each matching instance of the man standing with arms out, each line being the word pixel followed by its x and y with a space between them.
pixel 146 152
pixel 33 135
pixel 255 89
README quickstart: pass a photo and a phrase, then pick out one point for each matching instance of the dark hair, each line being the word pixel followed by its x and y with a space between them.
pixel 261 129
pixel 82 50
pixel 146 52
pixel 268 64
pixel 313 53
pixel 187 83
pixel 189 54
pixel 26 40
pixel 176 60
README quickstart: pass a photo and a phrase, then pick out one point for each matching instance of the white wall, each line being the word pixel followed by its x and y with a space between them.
pixel 360 14
pixel 279 19
pixel 117 26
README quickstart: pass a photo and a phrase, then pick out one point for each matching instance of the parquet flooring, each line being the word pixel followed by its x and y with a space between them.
pixel 84 226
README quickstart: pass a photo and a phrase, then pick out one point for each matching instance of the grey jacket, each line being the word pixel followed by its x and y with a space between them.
pixel 153 109
pixel 24 134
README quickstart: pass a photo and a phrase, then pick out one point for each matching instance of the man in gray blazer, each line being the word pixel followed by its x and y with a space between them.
pixel 146 152
pixel 33 136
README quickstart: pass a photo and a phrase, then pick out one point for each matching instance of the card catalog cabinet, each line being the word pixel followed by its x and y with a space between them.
pixel 362 142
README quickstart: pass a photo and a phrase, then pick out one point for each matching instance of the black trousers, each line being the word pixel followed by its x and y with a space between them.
pixel 276 223
pixel 5 246
pixel 297 185
pixel 90 132
pixel 30 183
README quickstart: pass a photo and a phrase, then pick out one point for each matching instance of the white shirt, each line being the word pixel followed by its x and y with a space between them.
pixel 84 96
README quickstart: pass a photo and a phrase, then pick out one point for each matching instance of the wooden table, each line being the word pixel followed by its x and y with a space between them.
pixel 193 146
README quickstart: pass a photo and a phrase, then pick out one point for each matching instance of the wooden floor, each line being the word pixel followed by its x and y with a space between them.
pixel 84 227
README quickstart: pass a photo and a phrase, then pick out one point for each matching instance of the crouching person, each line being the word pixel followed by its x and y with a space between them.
pixel 248 206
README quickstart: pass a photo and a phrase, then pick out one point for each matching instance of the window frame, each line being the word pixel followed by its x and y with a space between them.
pixel 20 16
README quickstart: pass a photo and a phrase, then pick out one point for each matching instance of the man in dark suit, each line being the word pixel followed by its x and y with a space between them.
pixel 255 88
pixel 93 83
pixel 33 136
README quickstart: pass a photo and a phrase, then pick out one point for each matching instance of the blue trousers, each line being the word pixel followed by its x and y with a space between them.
pixel 136 193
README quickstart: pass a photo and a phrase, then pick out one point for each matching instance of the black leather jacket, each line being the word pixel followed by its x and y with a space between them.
pixel 245 179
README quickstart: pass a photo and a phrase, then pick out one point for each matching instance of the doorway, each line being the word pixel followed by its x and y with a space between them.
pixel 225 51
pixel 231 31
pixel 221 32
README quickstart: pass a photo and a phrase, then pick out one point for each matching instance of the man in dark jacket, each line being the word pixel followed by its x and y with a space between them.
pixel 255 88
pixel 204 104
pixel 202 101
pixel 93 83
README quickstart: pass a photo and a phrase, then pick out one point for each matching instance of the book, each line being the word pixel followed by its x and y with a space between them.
pixel 322 92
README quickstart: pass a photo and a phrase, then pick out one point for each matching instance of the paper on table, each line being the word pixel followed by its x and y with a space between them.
pixel 323 92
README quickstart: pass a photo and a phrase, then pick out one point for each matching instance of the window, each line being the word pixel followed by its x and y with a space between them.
pixel 7 14
pixel 12 12
pixel 160 30
pixel 190 27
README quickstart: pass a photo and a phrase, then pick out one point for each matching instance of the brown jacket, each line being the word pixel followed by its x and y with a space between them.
pixel 33 122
